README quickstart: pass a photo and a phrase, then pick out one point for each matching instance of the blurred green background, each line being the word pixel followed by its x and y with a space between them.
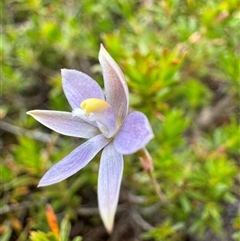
pixel 181 61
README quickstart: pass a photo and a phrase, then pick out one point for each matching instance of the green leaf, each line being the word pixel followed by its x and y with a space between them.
pixel 40 236
pixel 65 228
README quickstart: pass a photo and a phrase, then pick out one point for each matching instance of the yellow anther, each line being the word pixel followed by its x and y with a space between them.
pixel 92 105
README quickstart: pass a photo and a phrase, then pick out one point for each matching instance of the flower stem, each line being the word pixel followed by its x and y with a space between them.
pixel 157 187
pixel 147 163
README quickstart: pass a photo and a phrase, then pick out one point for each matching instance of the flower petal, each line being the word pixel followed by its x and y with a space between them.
pixel 65 123
pixel 78 86
pixel 106 121
pixel 109 181
pixel 74 161
pixel 134 133
pixel 115 84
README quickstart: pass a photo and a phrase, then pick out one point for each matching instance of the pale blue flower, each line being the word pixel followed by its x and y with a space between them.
pixel 105 120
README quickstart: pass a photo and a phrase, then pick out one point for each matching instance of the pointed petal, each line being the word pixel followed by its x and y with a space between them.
pixel 74 161
pixel 65 123
pixel 78 86
pixel 134 133
pixel 109 181
pixel 115 84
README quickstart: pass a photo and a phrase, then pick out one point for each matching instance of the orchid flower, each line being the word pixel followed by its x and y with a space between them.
pixel 105 120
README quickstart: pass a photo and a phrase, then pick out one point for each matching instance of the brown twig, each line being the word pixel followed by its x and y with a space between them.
pixel 37 135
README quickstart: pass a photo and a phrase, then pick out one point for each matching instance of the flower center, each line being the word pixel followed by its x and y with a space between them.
pixel 92 105
pixel 101 112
